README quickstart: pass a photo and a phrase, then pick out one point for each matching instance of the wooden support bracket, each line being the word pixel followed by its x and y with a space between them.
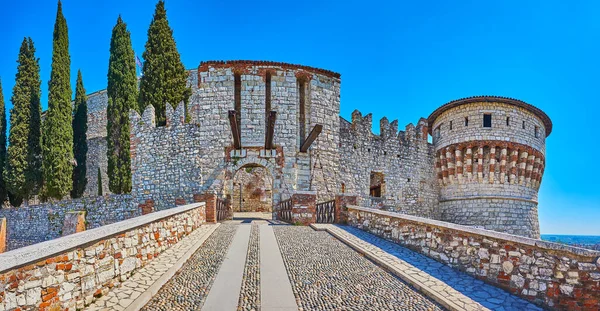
pixel 314 133
pixel 235 130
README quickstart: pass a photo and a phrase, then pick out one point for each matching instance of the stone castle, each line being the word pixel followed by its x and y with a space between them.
pixel 260 131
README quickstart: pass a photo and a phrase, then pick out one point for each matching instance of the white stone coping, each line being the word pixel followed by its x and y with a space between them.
pixel 40 251
pixel 486 233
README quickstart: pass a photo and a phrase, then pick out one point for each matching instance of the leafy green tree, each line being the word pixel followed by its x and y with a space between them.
pixel 164 77
pixel 122 94
pixel 99 183
pixel 3 191
pixel 80 146
pixel 58 132
pixel 22 175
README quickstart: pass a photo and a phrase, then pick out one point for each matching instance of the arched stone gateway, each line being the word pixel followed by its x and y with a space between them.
pixel 253 189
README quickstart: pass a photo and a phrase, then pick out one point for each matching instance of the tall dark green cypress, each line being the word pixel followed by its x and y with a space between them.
pixel 22 174
pixel 58 131
pixel 99 182
pixel 80 146
pixel 3 191
pixel 122 95
pixel 164 80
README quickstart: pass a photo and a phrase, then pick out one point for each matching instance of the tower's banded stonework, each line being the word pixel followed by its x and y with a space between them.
pixel 489 159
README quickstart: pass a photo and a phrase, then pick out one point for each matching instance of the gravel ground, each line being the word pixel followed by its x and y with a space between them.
pixel 188 289
pixel 328 275
pixel 250 292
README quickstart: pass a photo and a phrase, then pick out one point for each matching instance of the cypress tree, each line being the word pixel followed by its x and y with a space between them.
pixel 80 147
pixel 122 95
pixel 3 191
pixel 58 131
pixel 164 77
pixel 99 182
pixel 22 174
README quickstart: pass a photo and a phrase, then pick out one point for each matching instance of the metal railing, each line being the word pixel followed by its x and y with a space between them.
pixel 326 212
pixel 284 210
pixel 222 209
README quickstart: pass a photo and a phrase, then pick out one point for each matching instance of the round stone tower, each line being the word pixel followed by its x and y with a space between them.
pixel 490 158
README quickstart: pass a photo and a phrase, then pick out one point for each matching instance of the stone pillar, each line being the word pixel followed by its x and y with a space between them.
pixel 492 163
pixel 480 163
pixel 2 235
pixel 529 168
pixel 444 167
pixel 522 167
pixel 74 222
pixel 341 202
pixel 438 167
pixel 503 154
pixel 211 205
pixel 147 207
pixel 451 165
pixel 304 207
pixel 536 172
pixel 469 156
pixel 513 166
pixel 459 164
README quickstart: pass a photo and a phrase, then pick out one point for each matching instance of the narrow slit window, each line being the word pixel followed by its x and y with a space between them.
pixel 537 132
pixel 301 113
pixel 523 124
pixel 466 121
pixel 238 98
pixel 451 125
pixel 507 121
pixel 268 94
pixel 487 120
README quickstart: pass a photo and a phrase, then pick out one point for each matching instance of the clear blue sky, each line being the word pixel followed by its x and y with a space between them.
pixel 400 60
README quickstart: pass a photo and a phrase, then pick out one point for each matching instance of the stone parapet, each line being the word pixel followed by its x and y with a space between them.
pixel 552 275
pixel 341 203
pixel 72 271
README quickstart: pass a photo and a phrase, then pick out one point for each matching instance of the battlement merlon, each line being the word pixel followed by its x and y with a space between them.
pixel 361 125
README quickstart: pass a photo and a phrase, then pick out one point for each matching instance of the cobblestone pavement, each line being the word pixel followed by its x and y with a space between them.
pixel 188 289
pixel 250 292
pixel 328 275
pixel 487 295
pixel 123 296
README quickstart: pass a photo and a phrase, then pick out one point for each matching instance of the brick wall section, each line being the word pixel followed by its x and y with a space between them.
pixel 341 203
pixel 74 270
pixel 304 207
pixel 211 205
pixel 551 275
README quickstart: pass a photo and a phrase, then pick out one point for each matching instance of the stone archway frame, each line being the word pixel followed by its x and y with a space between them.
pixel 268 163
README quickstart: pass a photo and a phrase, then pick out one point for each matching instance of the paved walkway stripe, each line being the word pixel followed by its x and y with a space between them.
pixel 275 288
pixel 225 291
pixel 425 283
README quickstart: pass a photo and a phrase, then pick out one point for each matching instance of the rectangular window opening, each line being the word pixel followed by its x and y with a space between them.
pixel 523 124
pixel 487 120
pixel 507 121
pixel 466 121
pixel 451 125
pixel 537 132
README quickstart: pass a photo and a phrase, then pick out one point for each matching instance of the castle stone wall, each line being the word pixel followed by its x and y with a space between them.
pixel 43 222
pixel 405 159
pixel 165 162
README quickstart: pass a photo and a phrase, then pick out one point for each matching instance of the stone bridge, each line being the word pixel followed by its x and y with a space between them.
pixel 198 257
